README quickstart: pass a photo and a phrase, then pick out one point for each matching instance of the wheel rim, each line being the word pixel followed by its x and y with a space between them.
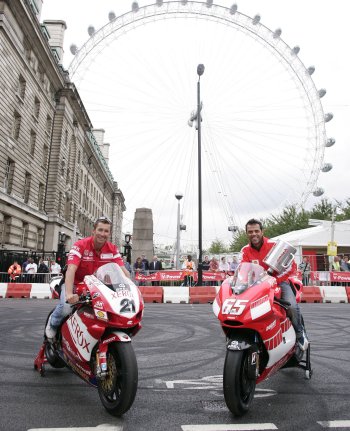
pixel 111 385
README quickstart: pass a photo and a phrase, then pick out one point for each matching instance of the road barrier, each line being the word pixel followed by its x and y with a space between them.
pixel 202 294
pixel 18 290
pixel 311 294
pixel 347 289
pixel 152 293
pixel 176 294
pixel 336 294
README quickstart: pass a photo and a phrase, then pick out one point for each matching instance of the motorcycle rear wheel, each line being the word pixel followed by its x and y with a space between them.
pixel 238 387
pixel 118 390
pixel 52 358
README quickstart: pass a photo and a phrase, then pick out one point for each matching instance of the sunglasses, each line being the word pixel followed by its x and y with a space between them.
pixel 103 219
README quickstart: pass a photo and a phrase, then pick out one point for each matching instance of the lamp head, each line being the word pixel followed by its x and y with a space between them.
pixel 179 195
pixel 200 69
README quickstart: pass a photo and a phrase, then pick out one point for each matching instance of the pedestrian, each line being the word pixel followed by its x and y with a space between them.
pixel 43 269
pixel 139 269
pixel 189 268
pixel 31 270
pixel 85 257
pixel 155 266
pixel 14 271
pixel 304 268
pixel 145 262
pixel 55 268
pixel 224 266
pixel 214 267
pixel 205 267
pixel 234 264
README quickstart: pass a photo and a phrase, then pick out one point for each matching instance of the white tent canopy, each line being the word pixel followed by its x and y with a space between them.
pixel 318 236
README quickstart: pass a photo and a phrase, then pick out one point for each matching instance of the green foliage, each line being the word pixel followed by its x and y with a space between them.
pixel 291 218
pixel 217 247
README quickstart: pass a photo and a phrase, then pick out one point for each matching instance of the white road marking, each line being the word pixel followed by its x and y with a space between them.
pixel 229 427
pixel 209 383
pixel 103 427
pixel 334 424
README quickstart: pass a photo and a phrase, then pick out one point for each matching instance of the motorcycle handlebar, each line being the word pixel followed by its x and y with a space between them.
pixel 83 299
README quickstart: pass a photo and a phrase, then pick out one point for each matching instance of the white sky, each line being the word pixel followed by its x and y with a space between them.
pixel 141 89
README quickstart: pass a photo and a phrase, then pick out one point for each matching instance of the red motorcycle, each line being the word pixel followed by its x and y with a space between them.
pixel 95 340
pixel 260 336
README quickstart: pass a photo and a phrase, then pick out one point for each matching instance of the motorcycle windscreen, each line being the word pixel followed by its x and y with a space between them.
pixel 248 274
pixel 126 298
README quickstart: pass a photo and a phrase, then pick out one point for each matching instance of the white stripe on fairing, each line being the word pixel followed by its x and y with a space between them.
pixel 334 424
pixel 229 427
pixel 276 354
pixel 216 308
pixel 260 310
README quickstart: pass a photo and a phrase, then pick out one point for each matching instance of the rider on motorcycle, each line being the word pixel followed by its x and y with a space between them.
pixel 255 252
pixel 85 257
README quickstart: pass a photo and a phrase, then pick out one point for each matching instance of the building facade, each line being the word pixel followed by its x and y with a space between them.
pixel 54 174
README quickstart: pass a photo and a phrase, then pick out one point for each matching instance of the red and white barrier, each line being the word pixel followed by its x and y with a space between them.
pixel 25 290
pixel 334 294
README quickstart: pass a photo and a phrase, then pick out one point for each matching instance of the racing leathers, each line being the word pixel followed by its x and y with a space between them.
pixel 257 255
pixel 85 257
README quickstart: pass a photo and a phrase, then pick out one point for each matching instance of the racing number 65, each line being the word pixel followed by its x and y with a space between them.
pixel 234 306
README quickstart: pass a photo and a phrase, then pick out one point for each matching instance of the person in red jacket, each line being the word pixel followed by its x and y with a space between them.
pixel 255 252
pixel 85 257
pixel 14 271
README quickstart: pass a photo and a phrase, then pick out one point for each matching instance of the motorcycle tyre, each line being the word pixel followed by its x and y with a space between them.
pixel 117 392
pixel 238 388
pixel 52 358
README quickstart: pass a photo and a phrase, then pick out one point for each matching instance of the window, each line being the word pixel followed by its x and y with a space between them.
pixel 48 125
pixel 59 203
pixel 66 138
pixel 25 231
pixel 41 197
pixel 21 87
pixel 8 180
pixel 45 154
pixel 32 142
pixel 63 166
pixel 77 182
pixel 26 188
pixel 16 125
pixel 36 108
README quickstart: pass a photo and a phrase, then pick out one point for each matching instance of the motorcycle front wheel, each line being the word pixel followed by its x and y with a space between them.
pixel 239 388
pixel 118 390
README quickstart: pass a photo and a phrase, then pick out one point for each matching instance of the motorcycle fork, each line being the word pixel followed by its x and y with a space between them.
pixel 101 361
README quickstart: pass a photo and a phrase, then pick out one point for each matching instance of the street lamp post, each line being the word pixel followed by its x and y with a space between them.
pixel 200 71
pixel 178 196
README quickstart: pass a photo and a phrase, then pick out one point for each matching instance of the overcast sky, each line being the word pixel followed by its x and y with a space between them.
pixel 257 129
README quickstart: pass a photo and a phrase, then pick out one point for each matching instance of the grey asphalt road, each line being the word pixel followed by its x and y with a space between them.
pixel 180 352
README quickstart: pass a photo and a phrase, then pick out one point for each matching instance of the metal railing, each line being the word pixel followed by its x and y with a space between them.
pixel 27 278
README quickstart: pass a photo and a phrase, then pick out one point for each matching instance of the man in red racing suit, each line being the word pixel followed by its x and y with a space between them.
pixel 256 251
pixel 85 257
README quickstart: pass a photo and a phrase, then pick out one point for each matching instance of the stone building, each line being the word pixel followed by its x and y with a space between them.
pixel 54 175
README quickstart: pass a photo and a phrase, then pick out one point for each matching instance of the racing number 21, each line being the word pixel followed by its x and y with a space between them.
pixel 127 306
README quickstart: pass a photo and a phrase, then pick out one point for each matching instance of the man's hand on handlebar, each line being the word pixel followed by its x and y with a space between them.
pixel 72 299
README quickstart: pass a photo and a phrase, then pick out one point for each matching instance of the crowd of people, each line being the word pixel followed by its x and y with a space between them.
pixel 32 272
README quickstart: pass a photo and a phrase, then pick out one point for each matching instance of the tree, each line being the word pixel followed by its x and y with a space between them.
pixel 239 241
pixel 322 210
pixel 217 247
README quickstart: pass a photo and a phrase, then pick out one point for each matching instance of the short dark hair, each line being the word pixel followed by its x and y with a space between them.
pixel 253 221
pixel 102 219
